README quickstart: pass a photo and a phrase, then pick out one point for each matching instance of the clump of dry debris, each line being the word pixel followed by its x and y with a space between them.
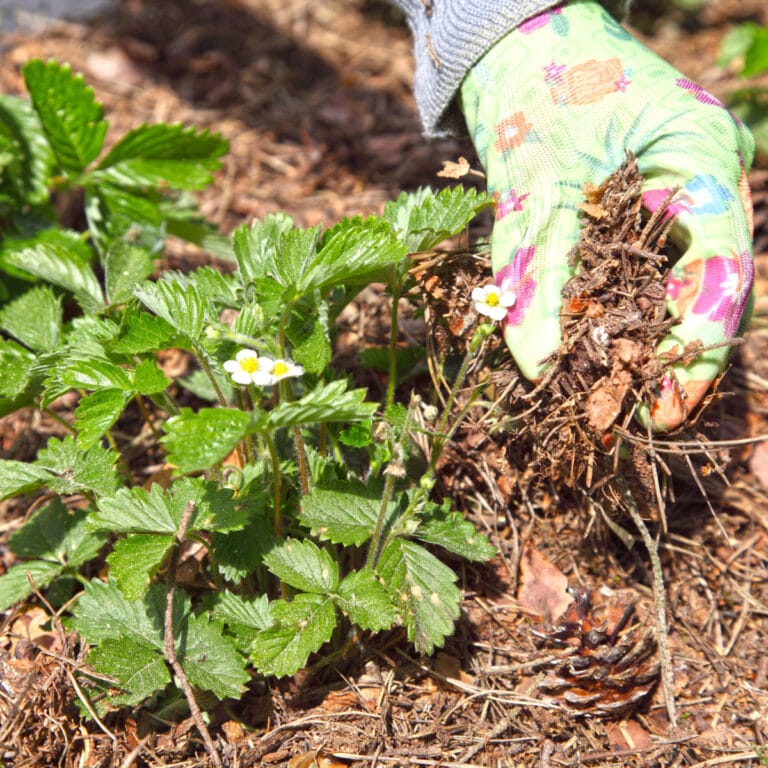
pixel 579 422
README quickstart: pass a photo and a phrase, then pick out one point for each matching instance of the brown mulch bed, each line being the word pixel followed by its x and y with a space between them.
pixel 315 99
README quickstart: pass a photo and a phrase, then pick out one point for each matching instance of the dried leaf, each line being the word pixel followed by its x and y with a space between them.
pixel 542 586
pixel 455 170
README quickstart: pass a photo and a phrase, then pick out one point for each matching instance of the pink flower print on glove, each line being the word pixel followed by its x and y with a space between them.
pixel 515 277
pixel 725 289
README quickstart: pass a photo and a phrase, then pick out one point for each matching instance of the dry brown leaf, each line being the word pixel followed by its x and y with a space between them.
pixel 450 667
pixel 542 586
pixel 455 170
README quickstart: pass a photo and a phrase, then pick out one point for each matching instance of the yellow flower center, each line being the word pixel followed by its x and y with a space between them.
pixel 250 364
pixel 492 299
pixel 280 369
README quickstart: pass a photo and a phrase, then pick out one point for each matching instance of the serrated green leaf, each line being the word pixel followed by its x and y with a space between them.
pixel 96 413
pixel 102 611
pixel 255 246
pixel 61 266
pixel 148 379
pixel 77 470
pixel 210 659
pixel 197 440
pixel 328 403
pixel 117 214
pixel 252 612
pixel 311 345
pixel 125 265
pixel 135 560
pixel 140 670
pixel 70 116
pixel 363 598
pixel 137 510
pixel 15 585
pixel 357 435
pixel 352 251
pixel 24 177
pixel 396 415
pixel 140 333
pixel 239 554
pixel 423 219
pixel 34 319
pixel 44 535
pixel 17 477
pixel 164 155
pixel 303 565
pixel 451 531
pixel 424 591
pixel 300 628
pixel 95 374
pixel 16 364
pixel 211 284
pixel 181 306
pixel 345 514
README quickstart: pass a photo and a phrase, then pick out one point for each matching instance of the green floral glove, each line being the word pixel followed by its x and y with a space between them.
pixel 555 104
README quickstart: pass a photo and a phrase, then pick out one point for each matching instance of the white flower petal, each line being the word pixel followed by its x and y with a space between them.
pixel 245 354
pixel 231 366
pixel 266 364
pixel 496 313
pixel 479 293
pixel 262 378
pixel 507 299
pixel 241 377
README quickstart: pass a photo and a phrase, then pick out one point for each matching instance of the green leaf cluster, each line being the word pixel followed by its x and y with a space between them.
pixel 289 504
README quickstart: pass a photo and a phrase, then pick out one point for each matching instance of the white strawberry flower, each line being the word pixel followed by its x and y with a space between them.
pixel 492 301
pixel 249 368
pixel 284 369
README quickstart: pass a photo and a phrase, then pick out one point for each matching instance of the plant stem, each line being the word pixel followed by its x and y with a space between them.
pixel 146 415
pixel 393 328
pixel 200 355
pixel 377 540
pixel 60 420
pixel 170 644
pixel 660 603
pixel 301 455
pixel 278 521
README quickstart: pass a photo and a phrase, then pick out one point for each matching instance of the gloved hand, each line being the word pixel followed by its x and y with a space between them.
pixel 555 104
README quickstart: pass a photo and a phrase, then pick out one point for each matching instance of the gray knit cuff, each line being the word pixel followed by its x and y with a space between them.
pixel 449 37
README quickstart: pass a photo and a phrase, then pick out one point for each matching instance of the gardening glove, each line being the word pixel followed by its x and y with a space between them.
pixel 555 104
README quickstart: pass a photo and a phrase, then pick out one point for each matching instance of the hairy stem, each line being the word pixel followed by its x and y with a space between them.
pixel 170 645
pixel 392 380
pixel 200 355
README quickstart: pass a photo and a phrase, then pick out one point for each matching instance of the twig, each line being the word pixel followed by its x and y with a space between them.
pixel 660 603
pixel 170 645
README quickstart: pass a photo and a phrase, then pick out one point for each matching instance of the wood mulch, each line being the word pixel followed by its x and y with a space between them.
pixel 315 100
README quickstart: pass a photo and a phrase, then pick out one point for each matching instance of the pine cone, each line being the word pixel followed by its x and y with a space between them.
pixel 607 669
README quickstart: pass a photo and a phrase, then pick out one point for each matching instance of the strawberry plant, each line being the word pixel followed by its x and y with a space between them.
pixel 306 504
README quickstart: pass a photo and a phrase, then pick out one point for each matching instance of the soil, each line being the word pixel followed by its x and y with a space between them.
pixel 315 99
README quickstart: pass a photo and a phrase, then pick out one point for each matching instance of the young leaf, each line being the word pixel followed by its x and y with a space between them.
pixel 125 265
pixel 452 532
pixel 423 219
pixel 327 403
pixel 311 345
pixel 256 246
pixel 300 627
pixel 239 554
pixel 17 477
pixel 210 659
pixel 181 306
pixel 34 319
pixel 424 589
pixel 60 265
pixel 164 156
pixel 142 332
pixel 344 514
pixel 362 597
pixel 137 510
pixel 135 560
pixel 303 565
pixel 138 667
pixel 196 441
pixel 95 374
pixel 96 413
pixel 71 118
